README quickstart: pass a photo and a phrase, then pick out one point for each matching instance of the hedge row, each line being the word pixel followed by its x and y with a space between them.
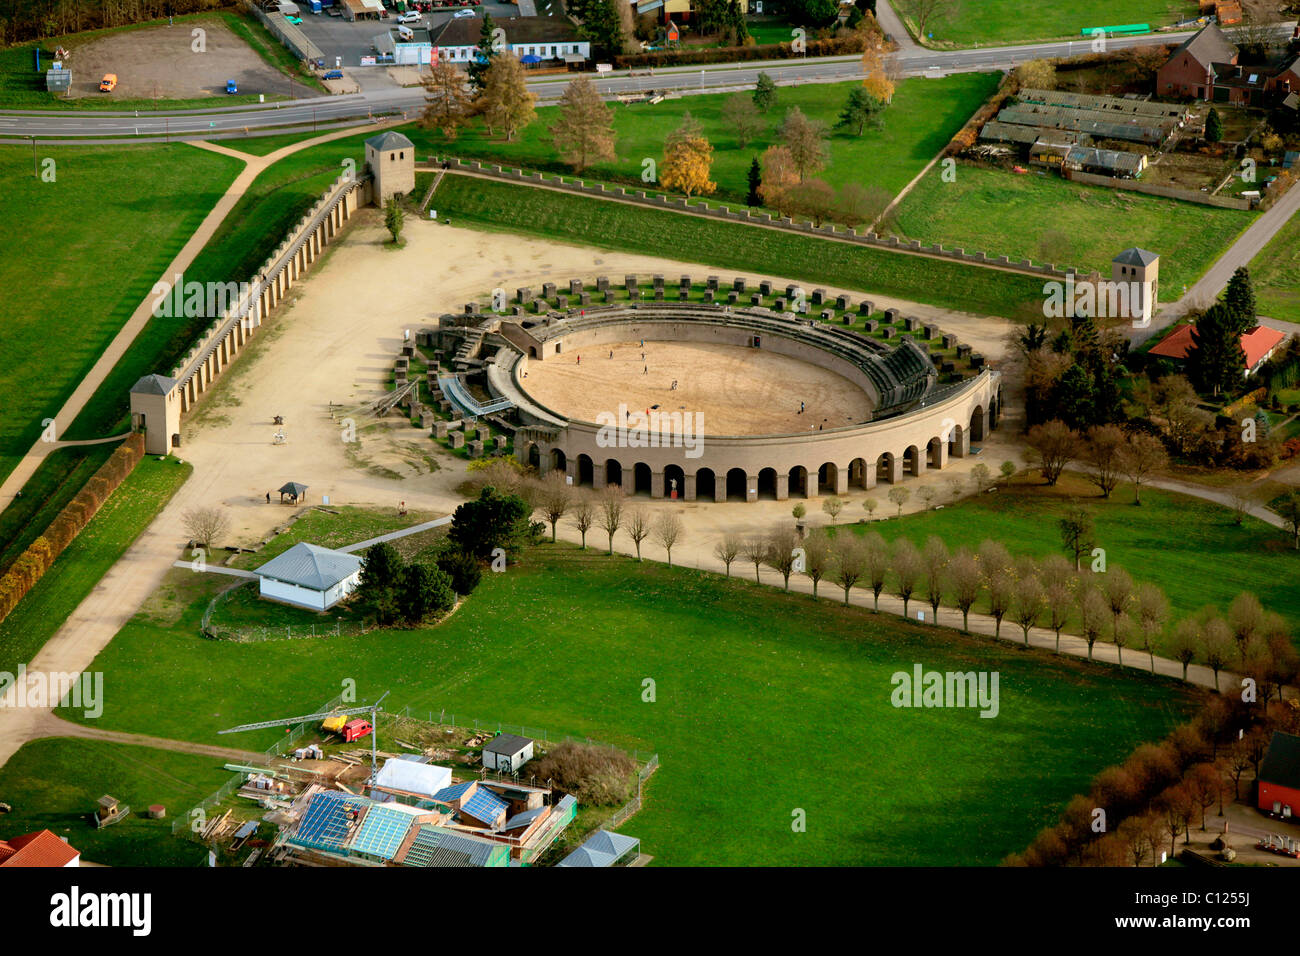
pixel 32 564
pixel 853 42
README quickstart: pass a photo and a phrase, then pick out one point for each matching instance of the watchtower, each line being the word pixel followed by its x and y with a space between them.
pixel 391 159
pixel 156 410
pixel 1139 270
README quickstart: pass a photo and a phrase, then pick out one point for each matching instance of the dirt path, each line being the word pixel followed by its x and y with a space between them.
pixel 50 725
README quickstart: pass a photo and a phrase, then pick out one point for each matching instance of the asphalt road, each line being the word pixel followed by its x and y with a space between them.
pixel 913 61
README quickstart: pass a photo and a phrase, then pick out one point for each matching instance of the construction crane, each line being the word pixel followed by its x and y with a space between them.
pixel 371 709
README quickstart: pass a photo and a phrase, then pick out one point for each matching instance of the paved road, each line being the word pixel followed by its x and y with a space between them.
pixel 913 61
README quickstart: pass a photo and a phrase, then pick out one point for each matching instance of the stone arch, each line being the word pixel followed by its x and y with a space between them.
pixel 956 442
pixel 532 351
pixel 737 484
pixel 935 453
pixel 674 473
pixel 586 471
pixel 828 478
pixel 858 473
pixel 977 423
pixel 706 485
pixel 799 481
pixel 912 461
pixel 533 456
pixel 613 472
pixel 641 478
pixel 885 468
pixel 559 461
pixel 767 483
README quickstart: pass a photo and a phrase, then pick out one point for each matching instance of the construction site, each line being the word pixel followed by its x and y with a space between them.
pixel 452 796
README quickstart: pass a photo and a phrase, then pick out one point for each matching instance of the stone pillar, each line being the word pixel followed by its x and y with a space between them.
pixel 813 480
pixel 720 487
pixel 751 487
pixel 943 456
pixel 896 469
pixel 841 481
pixel 782 486
pixel 597 475
pixel 688 488
pixel 869 475
pixel 656 484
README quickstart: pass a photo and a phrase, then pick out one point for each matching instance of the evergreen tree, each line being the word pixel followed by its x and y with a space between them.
pixel 1239 299
pixel 755 181
pixel 858 111
pixel 599 22
pixel 423 590
pixel 764 92
pixel 1073 397
pixel 1214 362
pixel 483 55
pixel 491 521
pixel 1213 126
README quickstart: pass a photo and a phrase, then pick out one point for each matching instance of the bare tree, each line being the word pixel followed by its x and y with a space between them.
pixel 927 494
pixel 1152 612
pixel 935 558
pixel 755 551
pixel 928 14
pixel 999 579
pixel 1076 532
pixel 965 582
pixel 1246 621
pixel 899 495
pixel 554 496
pixel 1142 458
pixel 638 528
pixel 206 525
pixel 1093 612
pixel 1053 445
pixel 667 532
pixel 1186 638
pixel 1057 578
pixel 817 560
pixel 908 568
pixel 1241 499
pixel 875 565
pixel 1103 452
pixel 849 562
pixel 1117 587
pixel 981 474
pixel 741 116
pixel 870 505
pixel 609 515
pixel 727 549
pixel 780 556
pixel 833 506
pixel 584 515
pixel 1028 598
pixel 806 140
pixel 583 132
pixel 1216 645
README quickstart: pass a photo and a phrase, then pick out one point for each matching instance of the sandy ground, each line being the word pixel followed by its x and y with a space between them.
pixel 732 390
pixel 160 62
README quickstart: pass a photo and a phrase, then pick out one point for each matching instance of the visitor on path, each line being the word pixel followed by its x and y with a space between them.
pixel 801 408
pixel 579 359
pixel 268 497
pixel 646 370
pixel 611 353
pixel 674 388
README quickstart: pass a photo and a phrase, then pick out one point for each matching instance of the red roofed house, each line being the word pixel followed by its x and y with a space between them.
pixel 1279 776
pixel 1189 71
pixel 41 848
pixel 1257 346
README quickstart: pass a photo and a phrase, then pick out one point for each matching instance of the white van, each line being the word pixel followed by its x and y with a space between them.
pixel 406 33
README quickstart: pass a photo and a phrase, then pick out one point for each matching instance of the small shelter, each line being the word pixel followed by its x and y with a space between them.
pixel 603 848
pixel 309 576
pixel 507 752
pixel 294 490
pixel 406 777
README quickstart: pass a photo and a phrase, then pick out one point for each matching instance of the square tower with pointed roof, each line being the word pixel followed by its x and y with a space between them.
pixel 1139 270
pixel 391 159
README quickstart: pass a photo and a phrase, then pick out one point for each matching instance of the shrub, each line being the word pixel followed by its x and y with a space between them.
pixel 593 774
pixel 464 571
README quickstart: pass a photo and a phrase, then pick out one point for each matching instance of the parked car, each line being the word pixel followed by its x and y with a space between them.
pixel 231 87
pixel 462 14
pixel 409 18
pixel 108 83
pixel 294 20
pixel 334 75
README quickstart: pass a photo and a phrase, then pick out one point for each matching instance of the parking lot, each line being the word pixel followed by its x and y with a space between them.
pixel 347 42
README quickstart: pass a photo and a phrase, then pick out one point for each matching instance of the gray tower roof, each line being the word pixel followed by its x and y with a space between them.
pixel 1136 257
pixel 153 385
pixel 390 140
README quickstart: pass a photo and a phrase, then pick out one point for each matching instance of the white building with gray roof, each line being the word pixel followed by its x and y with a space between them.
pixel 309 576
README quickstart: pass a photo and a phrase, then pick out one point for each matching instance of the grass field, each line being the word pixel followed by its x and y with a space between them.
pixel 747 249
pixel 1189 547
pixel 125 514
pixel 1006 22
pixel 55 482
pixel 275 201
pixel 1005 214
pixel 923 117
pixel 53 784
pixel 759 697
pixel 93 242
pixel 1276 274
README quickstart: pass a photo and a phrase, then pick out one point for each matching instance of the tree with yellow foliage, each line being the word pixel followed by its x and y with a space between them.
pixel 878 70
pixel 779 176
pixel 688 158
pixel 505 103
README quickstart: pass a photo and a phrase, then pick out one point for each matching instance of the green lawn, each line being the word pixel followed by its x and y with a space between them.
pixel 759 697
pixel 93 242
pixel 53 784
pixel 55 482
pixel 1276 274
pixel 1006 22
pixel 1189 547
pixel 923 117
pixel 274 203
pixel 126 513
pixel 748 250
pixel 1001 213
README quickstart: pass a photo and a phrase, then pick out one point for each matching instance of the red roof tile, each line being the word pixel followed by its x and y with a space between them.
pixel 1255 344
pixel 42 848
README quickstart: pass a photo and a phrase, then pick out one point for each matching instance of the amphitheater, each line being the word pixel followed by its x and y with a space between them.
pixel 623 394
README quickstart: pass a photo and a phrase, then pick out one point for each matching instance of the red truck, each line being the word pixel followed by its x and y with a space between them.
pixel 356 729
